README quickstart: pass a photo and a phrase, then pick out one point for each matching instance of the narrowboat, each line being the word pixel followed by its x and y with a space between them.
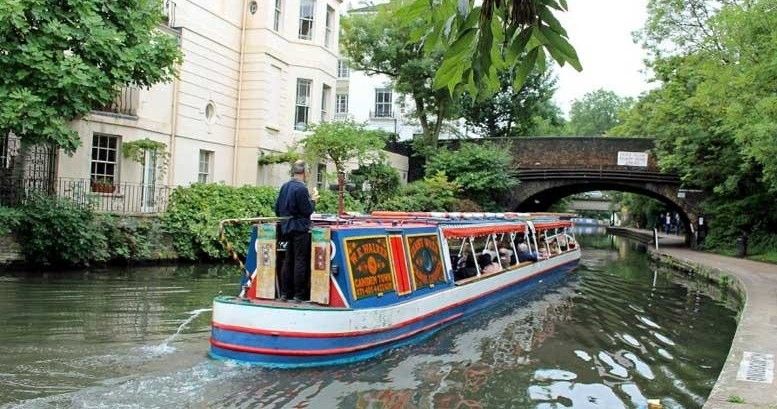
pixel 383 281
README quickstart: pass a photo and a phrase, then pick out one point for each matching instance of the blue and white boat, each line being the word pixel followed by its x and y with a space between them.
pixel 383 281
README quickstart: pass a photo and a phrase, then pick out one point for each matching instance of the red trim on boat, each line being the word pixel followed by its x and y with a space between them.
pixel 330 351
pixel 296 334
pixel 467 231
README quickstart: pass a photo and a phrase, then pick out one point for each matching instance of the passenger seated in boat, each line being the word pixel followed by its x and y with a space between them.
pixel 572 243
pixel 506 256
pixel 554 248
pixel 487 264
pixel 465 266
pixel 563 243
pixel 491 251
pixel 524 254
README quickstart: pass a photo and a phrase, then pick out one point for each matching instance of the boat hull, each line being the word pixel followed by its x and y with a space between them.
pixel 274 336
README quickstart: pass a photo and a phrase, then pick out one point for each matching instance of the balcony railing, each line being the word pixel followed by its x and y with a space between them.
pixel 382 114
pixel 341 116
pixel 126 103
pixel 118 198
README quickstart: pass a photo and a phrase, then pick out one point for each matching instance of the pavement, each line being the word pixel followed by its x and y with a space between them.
pixel 748 374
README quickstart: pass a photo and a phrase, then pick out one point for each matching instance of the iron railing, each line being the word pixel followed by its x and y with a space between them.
pixel 382 114
pixel 119 198
pixel 126 103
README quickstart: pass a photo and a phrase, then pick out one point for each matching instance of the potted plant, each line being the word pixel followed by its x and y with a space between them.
pixel 103 185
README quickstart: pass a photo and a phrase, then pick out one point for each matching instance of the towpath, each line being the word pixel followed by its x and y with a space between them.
pixel 748 377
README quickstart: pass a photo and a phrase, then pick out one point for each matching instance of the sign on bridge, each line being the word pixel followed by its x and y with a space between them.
pixel 639 159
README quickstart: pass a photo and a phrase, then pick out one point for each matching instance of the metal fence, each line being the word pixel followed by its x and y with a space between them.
pixel 126 103
pixel 121 198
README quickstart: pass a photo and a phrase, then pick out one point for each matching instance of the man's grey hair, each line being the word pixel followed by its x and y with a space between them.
pixel 298 168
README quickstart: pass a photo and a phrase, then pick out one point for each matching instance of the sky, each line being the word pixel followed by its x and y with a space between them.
pixel 600 31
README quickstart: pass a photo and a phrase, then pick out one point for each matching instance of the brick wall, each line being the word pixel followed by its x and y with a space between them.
pixel 579 152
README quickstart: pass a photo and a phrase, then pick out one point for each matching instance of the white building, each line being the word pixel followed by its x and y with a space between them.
pixel 254 73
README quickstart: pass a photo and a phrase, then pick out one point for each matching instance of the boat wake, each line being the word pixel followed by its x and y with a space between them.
pixel 165 348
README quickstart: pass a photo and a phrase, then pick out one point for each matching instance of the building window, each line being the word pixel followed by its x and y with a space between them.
pixel 341 104
pixel 276 23
pixel 302 107
pixel 321 176
pixel 205 173
pixel 307 10
pixel 326 93
pixel 342 69
pixel 383 103
pixel 105 161
pixel 330 22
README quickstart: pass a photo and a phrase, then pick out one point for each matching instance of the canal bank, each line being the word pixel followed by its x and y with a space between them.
pixel 747 378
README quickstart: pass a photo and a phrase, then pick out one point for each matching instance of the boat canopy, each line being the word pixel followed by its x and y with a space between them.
pixel 467 230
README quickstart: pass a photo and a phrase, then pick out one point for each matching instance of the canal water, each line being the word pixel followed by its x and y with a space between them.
pixel 613 333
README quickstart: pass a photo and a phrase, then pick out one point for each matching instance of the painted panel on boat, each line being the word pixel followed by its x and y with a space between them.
pixel 369 266
pixel 342 276
pixel 319 265
pixel 401 270
pixel 425 259
pixel 265 251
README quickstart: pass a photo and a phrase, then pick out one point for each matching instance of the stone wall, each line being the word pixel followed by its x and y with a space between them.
pixel 10 250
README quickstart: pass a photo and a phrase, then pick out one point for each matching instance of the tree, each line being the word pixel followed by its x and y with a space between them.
pixel 510 112
pixel 596 112
pixel 380 43
pixel 60 59
pixel 482 38
pixel 341 142
pixel 713 116
pixel 484 171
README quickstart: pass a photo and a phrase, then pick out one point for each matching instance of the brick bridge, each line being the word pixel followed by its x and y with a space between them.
pixel 551 168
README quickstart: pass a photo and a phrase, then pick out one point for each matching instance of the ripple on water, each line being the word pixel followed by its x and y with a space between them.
pixel 614 368
pixel 579 395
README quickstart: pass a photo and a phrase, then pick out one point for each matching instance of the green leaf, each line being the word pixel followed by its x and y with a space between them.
pixel 524 68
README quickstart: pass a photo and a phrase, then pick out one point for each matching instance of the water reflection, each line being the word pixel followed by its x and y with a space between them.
pixel 612 334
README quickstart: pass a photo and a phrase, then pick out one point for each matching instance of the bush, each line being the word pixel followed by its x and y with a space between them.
pixel 9 219
pixel 133 239
pixel 383 179
pixel 328 203
pixel 194 213
pixel 466 205
pixel 59 232
pixel 483 171
pixel 433 194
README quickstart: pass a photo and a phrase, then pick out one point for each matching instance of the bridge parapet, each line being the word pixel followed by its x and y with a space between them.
pixel 587 152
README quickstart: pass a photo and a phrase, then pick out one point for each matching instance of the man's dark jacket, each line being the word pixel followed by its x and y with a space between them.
pixel 294 202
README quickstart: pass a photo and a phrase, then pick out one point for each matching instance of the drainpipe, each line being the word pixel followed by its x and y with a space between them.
pixel 173 131
pixel 239 93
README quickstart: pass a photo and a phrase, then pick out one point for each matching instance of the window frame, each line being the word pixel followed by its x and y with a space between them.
pixel 308 84
pixel 329 21
pixel 341 106
pixel 326 91
pixel 303 5
pixel 209 155
pixel 277 15
pixel 343 71
pixel 95 161
pixel 384 108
